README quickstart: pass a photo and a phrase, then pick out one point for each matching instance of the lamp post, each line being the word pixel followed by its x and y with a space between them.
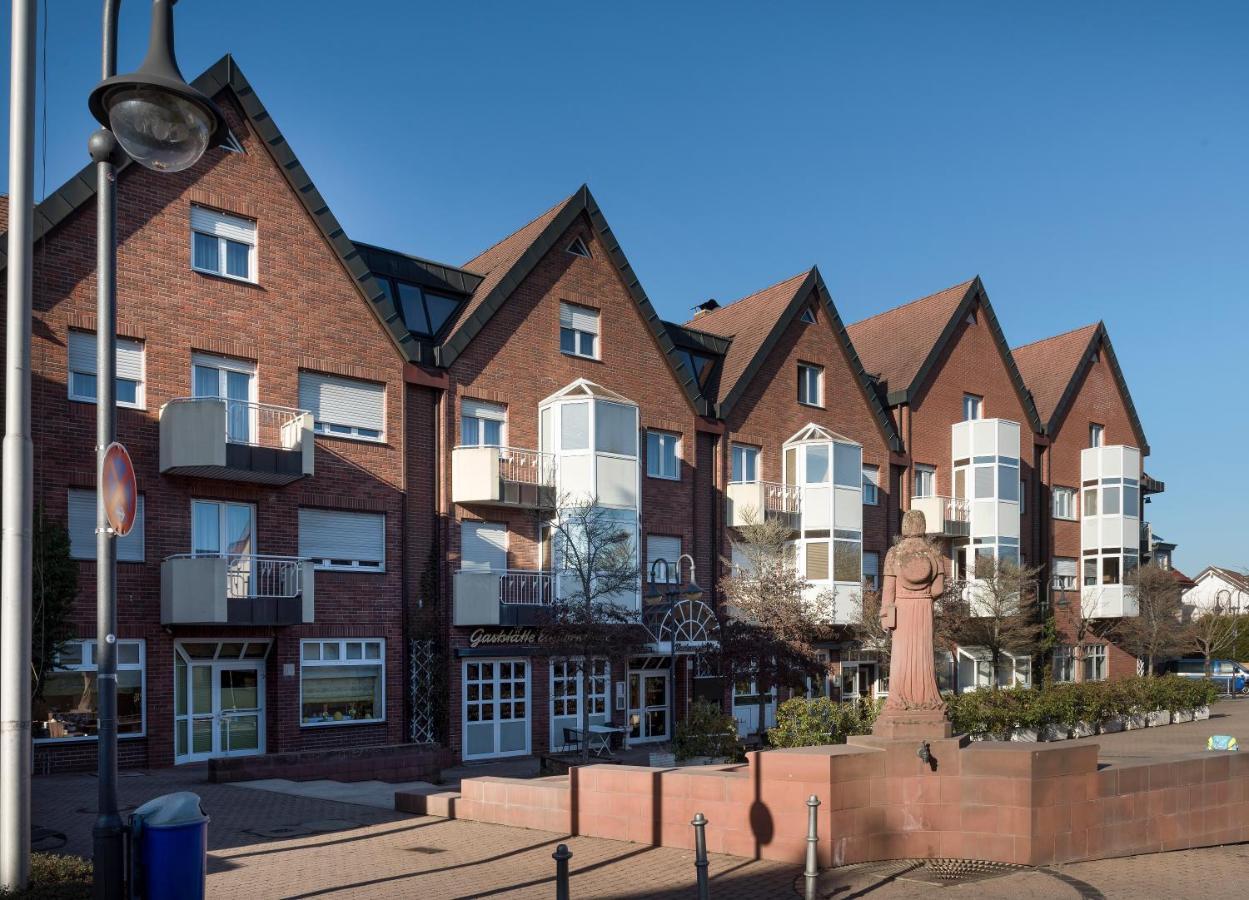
pixel 670 598
pixel 161 122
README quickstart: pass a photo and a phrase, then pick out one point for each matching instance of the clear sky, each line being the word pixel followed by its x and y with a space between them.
pixel 1088 160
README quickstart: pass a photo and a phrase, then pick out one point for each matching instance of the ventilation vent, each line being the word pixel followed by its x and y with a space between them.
pixel 578 248
pixel 971 317
pixel 808 316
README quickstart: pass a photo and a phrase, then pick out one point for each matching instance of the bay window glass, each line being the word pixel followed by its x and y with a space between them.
pixel 574 426
pixel 342 681
pixel 817 561
pixel 848 465
pixel 1090 501
pixel 615 428
pixel 817 464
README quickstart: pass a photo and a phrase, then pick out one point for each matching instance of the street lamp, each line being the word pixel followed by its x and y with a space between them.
pixel 161 122
pixel 668 599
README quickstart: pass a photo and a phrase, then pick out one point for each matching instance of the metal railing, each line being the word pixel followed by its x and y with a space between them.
pixel 953 509
pixel 257 424
pixel 781 498
pixel 257 576
pixel 525 587
pixel 526 466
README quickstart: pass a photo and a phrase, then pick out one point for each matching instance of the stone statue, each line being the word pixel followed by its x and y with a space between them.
pixel 914 577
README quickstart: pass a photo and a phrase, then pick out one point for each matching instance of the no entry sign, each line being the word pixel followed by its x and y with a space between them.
pixel 119 489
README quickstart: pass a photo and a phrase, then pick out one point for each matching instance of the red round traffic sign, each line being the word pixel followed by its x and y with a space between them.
pixel 119 489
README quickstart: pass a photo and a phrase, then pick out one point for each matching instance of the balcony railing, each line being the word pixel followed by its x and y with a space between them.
pixel 503 476
pixel 947 516
pixel 236 589
pixel 501 596
pixel 235 440
pixel 762 499
pixel 520 587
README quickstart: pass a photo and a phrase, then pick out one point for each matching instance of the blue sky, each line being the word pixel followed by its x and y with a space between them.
pixel 1087 160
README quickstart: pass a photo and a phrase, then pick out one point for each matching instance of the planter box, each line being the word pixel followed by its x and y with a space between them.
pixel 1083 729
pixel 1157 717
pixel 1113 724
pixel 1023 735
pixel 663 760
pixel 1054 732
pixel 1182 715
pixel 1134 720
pixel 706 761
pixel 1201 713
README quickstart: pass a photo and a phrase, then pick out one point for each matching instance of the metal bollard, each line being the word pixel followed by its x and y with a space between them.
pixel 811 874
pixel 700 854
pixel 561 856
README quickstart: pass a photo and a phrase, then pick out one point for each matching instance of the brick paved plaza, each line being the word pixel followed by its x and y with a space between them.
pixel 272 845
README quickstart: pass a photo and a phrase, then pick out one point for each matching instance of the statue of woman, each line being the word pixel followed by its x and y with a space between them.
pixel 914 578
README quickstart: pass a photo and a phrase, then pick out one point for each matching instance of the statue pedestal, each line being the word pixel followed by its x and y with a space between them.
pixel 919 724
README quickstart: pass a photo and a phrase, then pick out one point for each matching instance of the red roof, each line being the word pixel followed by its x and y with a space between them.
pixel 748 322
pixel 894 344
pixel 1048 365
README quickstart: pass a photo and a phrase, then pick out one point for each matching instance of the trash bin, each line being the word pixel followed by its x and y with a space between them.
pixel 169 838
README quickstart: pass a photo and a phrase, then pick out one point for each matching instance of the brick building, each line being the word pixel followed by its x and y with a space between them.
pixel 354 462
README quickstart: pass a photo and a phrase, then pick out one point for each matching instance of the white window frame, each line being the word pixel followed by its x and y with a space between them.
pixel 674 564
pixel 379 663
pixel 1065 582
pixel 1094 662
pixel 1064 510
pixel 227 221
pixel 1097 434
pixel 341 430
pixel 805 373
pixel 565 671
pixel 124 345
pixel 749 455
pixel 495 700
pixel 871 485
pixel 137 532
pixel 973 407
pixel 327 564
pixel 568 312
pixel 930 472
pixel 480 411
pixel 657 462
pixel 88 652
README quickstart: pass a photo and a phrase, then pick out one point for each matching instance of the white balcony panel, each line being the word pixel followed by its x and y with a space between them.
pixel 207 437
pixel 755 500
pixel 816 509
pixel 1110 601
pixel 946 516
pixel 1008 519
pixel 617 481
pixel 576 476
pixel 961 440
pixel 237 589
pixel 848 508
pixel 502 476
pixel 833 603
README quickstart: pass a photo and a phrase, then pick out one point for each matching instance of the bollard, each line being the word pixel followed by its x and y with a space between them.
pixel 700 854
pixel 561 856
pixel 812 872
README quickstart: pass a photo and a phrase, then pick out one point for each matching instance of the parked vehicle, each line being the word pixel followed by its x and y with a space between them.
pixel 1231 675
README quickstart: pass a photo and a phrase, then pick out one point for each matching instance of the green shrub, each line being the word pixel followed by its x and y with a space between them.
pixel 707 731
pixel 55 877
pixel 810 723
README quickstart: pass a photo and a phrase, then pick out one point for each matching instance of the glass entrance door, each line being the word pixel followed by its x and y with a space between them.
pixel 648 706
pixel 238 708
pixel 218 702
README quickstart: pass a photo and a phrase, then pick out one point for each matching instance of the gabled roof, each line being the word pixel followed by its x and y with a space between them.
pixel 903 345
pixel 1054 368
pixel 225 73
pixel 506 264
pixel 755 324
pixel 1238 580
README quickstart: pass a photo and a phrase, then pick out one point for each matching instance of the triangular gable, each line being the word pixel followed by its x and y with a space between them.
pixel 756 324
pixel 584 387
pixel 818 433
pixel 1048 365
pixel 1051 356
pixel 510 262
pixel 1229 577
pixel 225 73
pixel 974 294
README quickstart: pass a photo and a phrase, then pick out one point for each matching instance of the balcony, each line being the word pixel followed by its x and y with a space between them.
pixel 501 597
pixel 232 440
pixel 236 589
pixel 1109 601
pixel 503 476
pixel 749 500
pixel 945 516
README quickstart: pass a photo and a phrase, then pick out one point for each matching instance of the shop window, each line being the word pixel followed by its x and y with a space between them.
pixel 68 705
pixel 342 681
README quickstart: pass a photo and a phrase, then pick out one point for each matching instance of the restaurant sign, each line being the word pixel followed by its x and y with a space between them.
pixel 505 637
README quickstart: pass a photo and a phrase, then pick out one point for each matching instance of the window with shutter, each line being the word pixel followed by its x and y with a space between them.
pixel 222 244
pixel 128 374
pixel 482 424
pixel 579 330
pixel 81 527
pixel 483 547
pixel 344 407
pixel 667 549
pixel 336 539
pixel 817 560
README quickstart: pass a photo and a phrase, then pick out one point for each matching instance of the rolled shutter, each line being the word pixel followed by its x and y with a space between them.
pixel 81 527
pixel 666 548
pixel 483 546
pixel 481 410
pixel 817 561
pixel 350 537
pixel 582 318
pixel 343 401
pixel 1065 567
pixel 235 228
pixel 82 355
pixel 82 351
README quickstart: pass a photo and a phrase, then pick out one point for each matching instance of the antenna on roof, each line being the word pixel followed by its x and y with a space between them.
pixel 706 306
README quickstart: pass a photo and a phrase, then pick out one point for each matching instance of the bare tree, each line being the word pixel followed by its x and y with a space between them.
pixel 1083 625
pixel 591 612
pixel 772 626
pixel 870 629
pixel 1211 630
pixel 1155 632
pixel 997 610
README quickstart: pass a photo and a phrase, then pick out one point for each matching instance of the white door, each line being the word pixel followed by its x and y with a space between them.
pixel 226 529
pixel 219 707
pixel 648 706
pixel 483 546
pixel 496 708
pixel 233 381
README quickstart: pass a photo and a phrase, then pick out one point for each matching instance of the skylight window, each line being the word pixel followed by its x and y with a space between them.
pixel 698 364
pixel 578 248
pixel 424 312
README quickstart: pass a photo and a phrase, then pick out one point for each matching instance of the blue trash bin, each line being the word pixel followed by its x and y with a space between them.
pixel 170 839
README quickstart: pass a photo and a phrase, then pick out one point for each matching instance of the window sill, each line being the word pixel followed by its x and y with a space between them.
pixel 811 405
pixel 355 439
pixel 90 401
pixel 579 356
pixel 222 276
pixel 663 477
pixel 343 722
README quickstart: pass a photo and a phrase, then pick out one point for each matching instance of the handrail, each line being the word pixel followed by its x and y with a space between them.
pixel 255 575
pixel 953 509
pixel 520 464
pixel 255 424
pixel 520 587
pixel 777 496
